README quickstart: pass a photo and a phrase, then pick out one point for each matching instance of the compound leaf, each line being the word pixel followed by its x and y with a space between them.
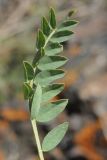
pixel 39 88
pixel 54 137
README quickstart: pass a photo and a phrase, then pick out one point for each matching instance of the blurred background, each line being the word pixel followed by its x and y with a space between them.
pixel 85 80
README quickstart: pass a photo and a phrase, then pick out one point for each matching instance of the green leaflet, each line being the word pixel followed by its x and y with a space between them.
pixel 52 18
pixel 36 58
pixel 40 42
pixel 27 90
pixel 53 49
pixel 52 62
pixel 67 25
pixel 39 85
pixel 54 137
pixel 61 36
pixel 28 70
pixel 46 77
pixel 45 27
pixel 30 89
pixel 50 91
pixel 51 110
pixel 36 102
pixel 40 53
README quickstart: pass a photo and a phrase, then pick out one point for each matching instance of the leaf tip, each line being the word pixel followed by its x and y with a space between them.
pixel 72 12
pixel 52 18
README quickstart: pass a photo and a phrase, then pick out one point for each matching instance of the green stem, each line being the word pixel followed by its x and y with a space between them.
pixel 49 37
pixel 35 130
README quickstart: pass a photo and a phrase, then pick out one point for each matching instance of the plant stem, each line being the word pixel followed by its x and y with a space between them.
pixel 34 125
pixel 35 130
pixel 49 37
